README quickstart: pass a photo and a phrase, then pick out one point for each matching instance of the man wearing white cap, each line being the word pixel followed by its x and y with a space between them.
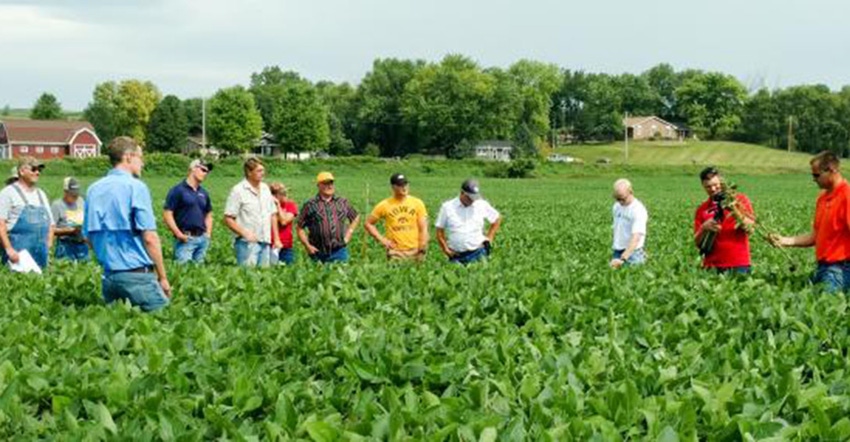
pixel 68 212
pixel 460 225
pixel 188 214
pixel 25 219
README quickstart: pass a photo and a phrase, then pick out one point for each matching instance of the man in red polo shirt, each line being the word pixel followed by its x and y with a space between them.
pixel 830 233
pixel 723 241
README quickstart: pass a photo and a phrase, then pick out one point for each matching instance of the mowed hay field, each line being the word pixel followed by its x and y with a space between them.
pixel 543 342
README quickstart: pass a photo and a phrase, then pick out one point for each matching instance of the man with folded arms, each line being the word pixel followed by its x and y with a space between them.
pixel 121 227
pixel 406 223
pixel 188 214
pixel 460 225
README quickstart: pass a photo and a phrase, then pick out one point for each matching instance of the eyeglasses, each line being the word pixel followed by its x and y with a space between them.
pixel 204 169
pixel 817 175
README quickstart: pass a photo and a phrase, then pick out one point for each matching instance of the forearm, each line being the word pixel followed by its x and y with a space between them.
pixel 4 236
pixel 50 236
pixel 168 217
pixel 441 240
pixel 208 223
pixel 633 245
pixel 491 232
pixel 275 230
pixel 302 237
pixel 806 240
pixel 154 249
pixel 372 230
pixel 64 231
pixel 234 227
pixel 353 225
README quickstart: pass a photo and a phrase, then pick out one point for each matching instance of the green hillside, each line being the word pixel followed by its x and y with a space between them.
pixel 690 153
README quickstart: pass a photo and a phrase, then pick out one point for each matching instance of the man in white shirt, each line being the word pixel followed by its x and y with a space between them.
pixel 630 218
pixel 460 225
pixel 251 214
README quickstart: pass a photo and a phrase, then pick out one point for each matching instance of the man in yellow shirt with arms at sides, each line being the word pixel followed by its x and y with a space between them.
pixel 405 221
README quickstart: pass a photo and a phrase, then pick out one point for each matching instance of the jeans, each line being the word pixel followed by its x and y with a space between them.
pixel 141 289
pixel 470 256
pixel 72 251
pixel 338 255
pixel 638 257
pixel 741 270
pixel 286 256
pixel 194 249
pixel 252 254
pixel 835 277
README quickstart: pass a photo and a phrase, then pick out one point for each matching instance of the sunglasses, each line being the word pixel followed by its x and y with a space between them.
pixel 204 169
pixel 327 183
pixel 817 175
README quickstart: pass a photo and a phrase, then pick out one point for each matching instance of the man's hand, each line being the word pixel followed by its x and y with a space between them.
pixel 449 253
pixel 389 245
pixel 12 255
pixel 277 244
pixel 182 237
pixel 711 225
pixel 779 241
pixel 166 287
pixel 348 234
pixel 249 237
pixel 616 263
pixel 311 250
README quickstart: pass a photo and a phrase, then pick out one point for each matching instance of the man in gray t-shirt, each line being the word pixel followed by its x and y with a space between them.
pixel 68 213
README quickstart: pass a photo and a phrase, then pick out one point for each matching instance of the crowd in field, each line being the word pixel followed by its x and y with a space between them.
pixel 117 222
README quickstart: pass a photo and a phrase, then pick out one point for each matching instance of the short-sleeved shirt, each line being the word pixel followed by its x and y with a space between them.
pixel 464 225
pixel 252 208
pixel 832 224
pixel 629 220
pixel 190 207
pixel 118 211
pixel 285 233
pixel 11 204
pixel 326 221
pixel 69 215
pixel 402 220
pixel 731 245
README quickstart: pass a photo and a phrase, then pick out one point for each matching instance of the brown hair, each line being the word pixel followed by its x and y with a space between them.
pixel 825 160
pixel 121 146
pixel 251 164
pixel 277 189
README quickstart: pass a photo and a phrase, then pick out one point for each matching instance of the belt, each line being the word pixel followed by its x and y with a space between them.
pixel 145 269
pixel 834 263
pixel 195 232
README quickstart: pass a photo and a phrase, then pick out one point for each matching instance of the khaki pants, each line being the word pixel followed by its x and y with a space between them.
pixel 412 255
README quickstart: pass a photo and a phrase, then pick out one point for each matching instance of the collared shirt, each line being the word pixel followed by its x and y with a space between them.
pixel 117 212
pixel 731 245
pixel 402 220
pixel 190 207
pixel 464 225
pixel 629 220
pixel 252 209
pixel 832 224
pixel 11 204
pixel 326 221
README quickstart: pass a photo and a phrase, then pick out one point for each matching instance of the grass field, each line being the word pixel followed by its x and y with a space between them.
pixel 691 153
pixel 543 342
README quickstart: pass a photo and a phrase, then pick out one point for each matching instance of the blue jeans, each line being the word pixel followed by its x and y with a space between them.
pixel 194 249
pixel 252 254
pixel 339 255
pixel 286 256
pixel 470 256
pixel 141 289
pixel 835 277
pixel 741 270
pixel 638 257
pixel 72 251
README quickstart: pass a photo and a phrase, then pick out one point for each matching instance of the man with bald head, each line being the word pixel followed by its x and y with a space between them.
pixel 630 219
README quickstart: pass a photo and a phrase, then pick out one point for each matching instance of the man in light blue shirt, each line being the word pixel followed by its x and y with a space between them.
pixel 121 228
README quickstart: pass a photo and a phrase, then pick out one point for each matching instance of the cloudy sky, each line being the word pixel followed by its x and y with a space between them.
pixel 193 47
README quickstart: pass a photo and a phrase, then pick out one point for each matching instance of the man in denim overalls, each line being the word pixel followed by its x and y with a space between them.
pixel 25 219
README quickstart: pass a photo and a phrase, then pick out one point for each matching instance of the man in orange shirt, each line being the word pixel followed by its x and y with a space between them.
pixel 830 233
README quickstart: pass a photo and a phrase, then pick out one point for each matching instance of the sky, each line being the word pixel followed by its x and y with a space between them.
pixel 191 48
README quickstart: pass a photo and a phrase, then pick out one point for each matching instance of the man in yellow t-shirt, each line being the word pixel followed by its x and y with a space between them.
pixel 405 221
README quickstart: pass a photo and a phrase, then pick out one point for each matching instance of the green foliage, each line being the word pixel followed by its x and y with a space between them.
pixel 233 123
pixel 122 108
pixel 193 109
pixel 7 110
pixel 517 168
pixel 168 127
pixel 47 107
pixel 712 103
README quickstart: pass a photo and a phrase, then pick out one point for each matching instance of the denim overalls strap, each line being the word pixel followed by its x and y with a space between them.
pixel 31 229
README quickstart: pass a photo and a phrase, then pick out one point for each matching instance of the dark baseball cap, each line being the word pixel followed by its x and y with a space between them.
pixel 399 179
pixel 71 185
pixel 470 188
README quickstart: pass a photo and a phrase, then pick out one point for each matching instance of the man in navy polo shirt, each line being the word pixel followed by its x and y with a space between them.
pixel 188 214
pixel 121 228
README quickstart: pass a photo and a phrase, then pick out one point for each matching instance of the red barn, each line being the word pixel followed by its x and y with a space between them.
pixel 46 139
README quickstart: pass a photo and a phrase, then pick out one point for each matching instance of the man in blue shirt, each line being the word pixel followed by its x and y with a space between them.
pixel 121 228
pixel 188 214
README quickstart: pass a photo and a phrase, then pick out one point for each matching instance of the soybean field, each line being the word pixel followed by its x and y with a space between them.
pixel 542 342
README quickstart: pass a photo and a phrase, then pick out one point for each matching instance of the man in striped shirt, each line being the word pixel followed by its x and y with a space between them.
pixel 330 220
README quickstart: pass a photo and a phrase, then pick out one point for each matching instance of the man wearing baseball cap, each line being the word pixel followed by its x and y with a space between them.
pixel 25 219
pixel 188 214
pixel 405 220
pixel 460 225
pixel 68 212
pixel 330 220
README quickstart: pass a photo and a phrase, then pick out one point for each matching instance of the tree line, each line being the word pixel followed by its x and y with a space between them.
pixel 403 107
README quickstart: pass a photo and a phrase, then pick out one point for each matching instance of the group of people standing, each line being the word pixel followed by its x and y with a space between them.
pixel 724 222
pixel 117 221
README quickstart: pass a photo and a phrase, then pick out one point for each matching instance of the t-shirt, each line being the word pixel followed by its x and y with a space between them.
pixel 402 220
pixel 252 209
pixel 190 207
pixel 11 204
pixel 629 220
pixel 285 233
pixel 731 245
pixel 69 215
pixel 832 224
pixel 464 225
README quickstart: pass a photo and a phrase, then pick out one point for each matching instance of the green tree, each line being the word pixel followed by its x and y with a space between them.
pixel 193 109
pixel 761 122
pixel 234 123
pixel 536 84
pixel 712 103
pixel 168 126
pixel 663 81
pixel 122 108
pixel 817 116
pixel 47 107
pixel 105 113
pixel 7 110
pixel 340 100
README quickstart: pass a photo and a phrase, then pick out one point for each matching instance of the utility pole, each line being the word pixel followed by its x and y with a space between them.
pixel 204 124
pixel 626 135
pixel 790 132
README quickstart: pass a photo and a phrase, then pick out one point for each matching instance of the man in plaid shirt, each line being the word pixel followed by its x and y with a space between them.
pixel 330 220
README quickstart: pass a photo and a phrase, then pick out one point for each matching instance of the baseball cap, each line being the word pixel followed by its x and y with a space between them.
pixel 200 163
pixel 324 177
pixel 71 185
pixel 470 188
pixel 399 179
pixel 30 162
